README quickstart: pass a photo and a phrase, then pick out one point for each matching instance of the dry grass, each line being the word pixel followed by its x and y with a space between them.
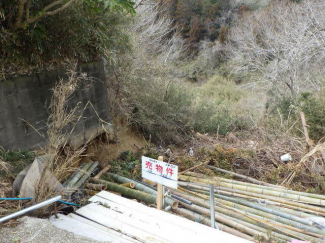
pixel 4 166
pixel 61 160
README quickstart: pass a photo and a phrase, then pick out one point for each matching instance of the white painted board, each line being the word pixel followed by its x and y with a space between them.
pixel 160 172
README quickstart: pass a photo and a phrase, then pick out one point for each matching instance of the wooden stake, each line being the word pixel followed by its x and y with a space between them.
pixel 194 167
pixel 107 168
pixel 160 190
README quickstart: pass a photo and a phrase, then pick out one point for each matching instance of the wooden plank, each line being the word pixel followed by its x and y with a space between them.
pixel 102 227
pixel 188 235
pixel 117 221
pixel 86 230
pixel 186 224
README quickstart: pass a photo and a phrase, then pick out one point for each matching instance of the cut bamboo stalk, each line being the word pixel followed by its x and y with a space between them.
pixel 295 205
pixel 129 185
pixel 284 190
pixel 247 178
pixel 85 176
pixel 289 210
pixel 231 214
pixel 78 175
pixel 305 224
pixel 249 218
pixel 141 187
pixel 73 175
pixel 199 218
pixel 267 230
pixel 96 187
pixel 273 192
pixel 90 192
pixel 142 196
pixel 100 173
pixel 267 214
pixel 231 223
pixel 297 233
pixel 318 211
pixel 151 183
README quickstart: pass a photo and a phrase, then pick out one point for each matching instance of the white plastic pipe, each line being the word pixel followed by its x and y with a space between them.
pixel 29 209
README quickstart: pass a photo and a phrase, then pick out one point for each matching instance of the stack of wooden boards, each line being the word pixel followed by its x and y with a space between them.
pixel 112 218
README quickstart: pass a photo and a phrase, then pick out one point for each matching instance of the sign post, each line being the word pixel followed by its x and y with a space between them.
pixel 160 190
pixel 163 173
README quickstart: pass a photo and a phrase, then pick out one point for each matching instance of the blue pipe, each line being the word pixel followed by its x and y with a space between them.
pixel 16 199
pixel 30 198
pixel 69 203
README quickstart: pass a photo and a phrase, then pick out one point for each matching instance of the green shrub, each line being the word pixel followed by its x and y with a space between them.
pixel 168 111
pixel 313 105
pixel 285 113
pixel 217 107
pixel 79 33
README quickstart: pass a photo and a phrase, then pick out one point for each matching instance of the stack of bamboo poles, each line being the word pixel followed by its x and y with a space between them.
pixel 255 211
pixel 262 212
pixel 78 178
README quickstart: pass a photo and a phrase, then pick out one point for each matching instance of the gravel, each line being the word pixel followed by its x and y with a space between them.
pixel 34 230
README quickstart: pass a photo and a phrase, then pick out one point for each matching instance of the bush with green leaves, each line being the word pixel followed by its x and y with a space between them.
pixel 83 31
pixel 285 114
pixel 169 110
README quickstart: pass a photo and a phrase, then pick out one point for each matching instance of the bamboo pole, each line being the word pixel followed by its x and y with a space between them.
pixel 127 191
pixel 230 214
pixel 247 178
pixel 90 192
pixel 231 223
pixel 305 223
pixel 245 216
pixel 284 190
pixel 78 175
pixel 199 218
pixel 289 210
pixel 141 187
pixel 85 176
pixel 73 174
pixel 296 233
pixel 283 202
pixel 295 205
pixel 129 185
pixel 267 214
pixel 96 187
pixel 274 192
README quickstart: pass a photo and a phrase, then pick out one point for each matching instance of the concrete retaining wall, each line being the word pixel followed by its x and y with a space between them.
pixel 24 103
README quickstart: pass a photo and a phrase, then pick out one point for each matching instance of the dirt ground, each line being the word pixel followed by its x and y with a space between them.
pixel 34 230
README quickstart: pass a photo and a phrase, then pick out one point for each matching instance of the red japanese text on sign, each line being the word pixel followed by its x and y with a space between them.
pixel 149 165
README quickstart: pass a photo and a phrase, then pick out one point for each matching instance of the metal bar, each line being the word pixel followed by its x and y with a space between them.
pixel 212 213
pixel 29 209
pixel 181 199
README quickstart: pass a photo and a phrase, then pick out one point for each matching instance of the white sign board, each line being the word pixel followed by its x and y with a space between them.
pixel 160 172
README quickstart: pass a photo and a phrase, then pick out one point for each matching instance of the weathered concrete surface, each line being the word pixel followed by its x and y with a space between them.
pixel 34 230
pixel 24 105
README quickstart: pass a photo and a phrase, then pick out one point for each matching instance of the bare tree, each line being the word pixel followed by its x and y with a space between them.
pixel 285 43
pixel 155 32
